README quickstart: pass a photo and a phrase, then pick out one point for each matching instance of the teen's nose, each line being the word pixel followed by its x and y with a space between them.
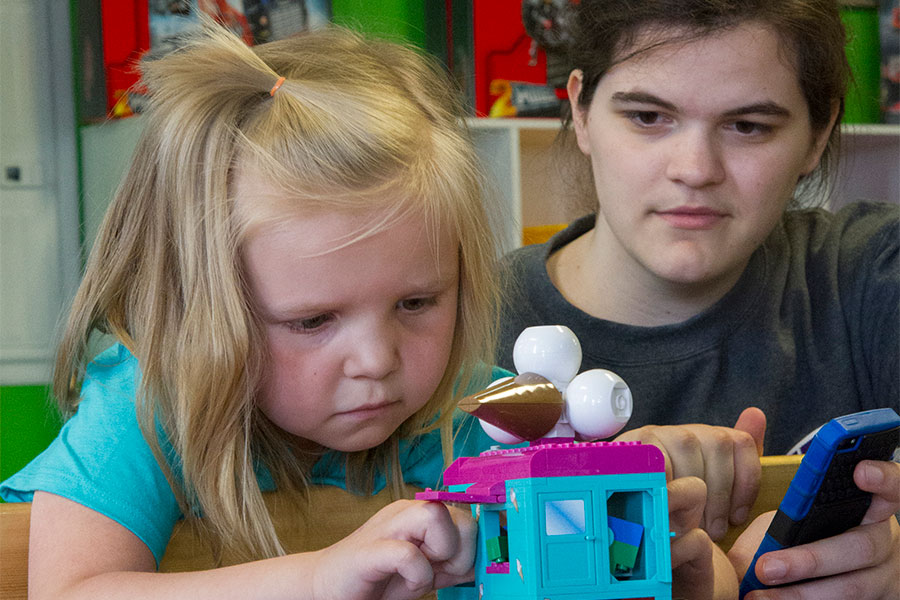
pixel 695 159
pixel 373 352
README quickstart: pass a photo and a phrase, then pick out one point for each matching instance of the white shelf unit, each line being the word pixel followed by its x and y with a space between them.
pixel 523 163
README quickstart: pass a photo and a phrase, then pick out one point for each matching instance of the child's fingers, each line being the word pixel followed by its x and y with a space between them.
pixel 883 480
pixel 428 525
pixel 405 569
pixel 462 560
pixel 380 568
pixel 443 580
pixel 444 536
pixel 404 551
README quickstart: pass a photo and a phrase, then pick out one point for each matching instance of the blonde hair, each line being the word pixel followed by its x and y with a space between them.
pixel 354 118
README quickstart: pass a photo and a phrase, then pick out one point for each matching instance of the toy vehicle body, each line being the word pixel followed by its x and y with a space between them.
pixel 565 521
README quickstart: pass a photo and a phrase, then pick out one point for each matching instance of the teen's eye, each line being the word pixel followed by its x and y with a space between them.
pixel 751 128
pixel 416 304
pixel 644 118
pixel 310 324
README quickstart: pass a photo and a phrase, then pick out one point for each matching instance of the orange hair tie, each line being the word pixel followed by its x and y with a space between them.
pixel 276 86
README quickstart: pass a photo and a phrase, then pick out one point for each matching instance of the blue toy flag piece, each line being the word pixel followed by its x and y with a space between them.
pixel 626 531
pixel 625 541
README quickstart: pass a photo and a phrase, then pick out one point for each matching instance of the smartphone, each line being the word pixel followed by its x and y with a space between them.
pixel 822 499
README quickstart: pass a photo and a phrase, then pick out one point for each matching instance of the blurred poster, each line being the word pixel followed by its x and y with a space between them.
pixel 255 21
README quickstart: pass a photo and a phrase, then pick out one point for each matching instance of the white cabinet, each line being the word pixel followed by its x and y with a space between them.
pixel 529 175
pixel 39 246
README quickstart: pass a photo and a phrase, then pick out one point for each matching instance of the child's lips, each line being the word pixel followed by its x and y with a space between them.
pixel 692 217
pixel 368 410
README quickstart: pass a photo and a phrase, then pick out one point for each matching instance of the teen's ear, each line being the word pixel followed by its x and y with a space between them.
pixel 820 140
pixel 579 116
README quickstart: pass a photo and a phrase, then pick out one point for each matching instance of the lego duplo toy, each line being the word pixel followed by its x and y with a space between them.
pixel 559 518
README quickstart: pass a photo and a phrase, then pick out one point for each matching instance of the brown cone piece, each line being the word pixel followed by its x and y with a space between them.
pixel 527 406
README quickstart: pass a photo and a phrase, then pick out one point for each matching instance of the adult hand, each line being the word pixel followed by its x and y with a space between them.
pixel 700 570
pixel 862 563
pixel 405 550
pixel 727 459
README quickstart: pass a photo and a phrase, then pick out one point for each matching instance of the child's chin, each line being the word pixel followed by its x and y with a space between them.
pixel 362 440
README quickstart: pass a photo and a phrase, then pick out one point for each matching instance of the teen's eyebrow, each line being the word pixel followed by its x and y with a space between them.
pixel 770 109
pixel 766 108
pixel 642 98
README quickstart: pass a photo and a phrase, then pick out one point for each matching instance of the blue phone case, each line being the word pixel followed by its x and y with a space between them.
pixel 822 499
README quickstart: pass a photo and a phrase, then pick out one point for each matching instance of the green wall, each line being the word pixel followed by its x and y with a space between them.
pixel 28 422
pixel 393 19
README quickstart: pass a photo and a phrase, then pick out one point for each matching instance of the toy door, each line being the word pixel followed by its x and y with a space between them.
pixel 568 540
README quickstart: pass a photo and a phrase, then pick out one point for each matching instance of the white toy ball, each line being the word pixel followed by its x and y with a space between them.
pixel 552 351
pixel 499 435
pixel 495 433
pixel 598 404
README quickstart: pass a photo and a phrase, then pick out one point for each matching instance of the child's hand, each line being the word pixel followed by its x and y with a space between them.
pixel 862 563
pixel 405 550
pixel 727 459
pixel 700 570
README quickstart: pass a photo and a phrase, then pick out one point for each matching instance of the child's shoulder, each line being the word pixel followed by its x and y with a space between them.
pixel 115 366
pixel 100 458
pixel 108 391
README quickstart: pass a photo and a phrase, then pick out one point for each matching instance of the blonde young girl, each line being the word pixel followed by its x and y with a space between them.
pixel 296 272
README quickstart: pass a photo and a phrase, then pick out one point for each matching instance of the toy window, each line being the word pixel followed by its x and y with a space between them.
pixel 564 517
pixel 627 551
pixel 496 541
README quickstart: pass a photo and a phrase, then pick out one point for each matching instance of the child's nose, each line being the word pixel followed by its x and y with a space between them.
pixel 373 353
pixel 696 160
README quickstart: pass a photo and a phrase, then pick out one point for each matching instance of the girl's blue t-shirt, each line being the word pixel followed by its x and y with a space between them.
pixel 101 460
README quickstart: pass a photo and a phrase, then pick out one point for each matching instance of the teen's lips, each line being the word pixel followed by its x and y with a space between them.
pixel 692 217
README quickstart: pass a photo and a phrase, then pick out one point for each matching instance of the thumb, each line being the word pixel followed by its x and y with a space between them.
pixel 753 421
